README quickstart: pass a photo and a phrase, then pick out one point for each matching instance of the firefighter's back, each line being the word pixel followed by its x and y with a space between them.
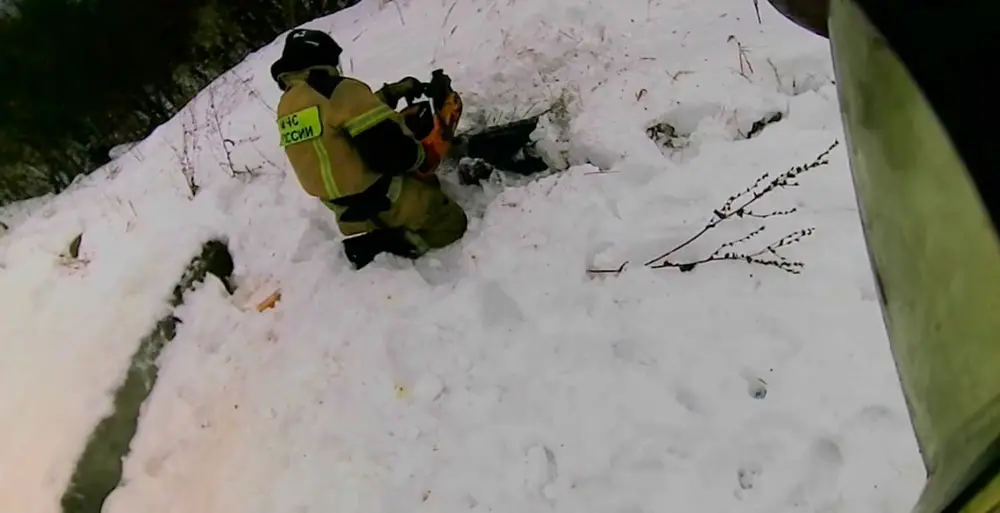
pixel 313 134
pixel 300 127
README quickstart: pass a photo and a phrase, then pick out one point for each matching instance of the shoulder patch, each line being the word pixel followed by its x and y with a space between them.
pixel 300 126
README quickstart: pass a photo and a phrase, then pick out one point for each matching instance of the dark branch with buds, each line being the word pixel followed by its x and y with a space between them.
pixel 740 206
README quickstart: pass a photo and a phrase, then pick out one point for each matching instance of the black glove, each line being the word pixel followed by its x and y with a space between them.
pixel 439 88
pixel 409 88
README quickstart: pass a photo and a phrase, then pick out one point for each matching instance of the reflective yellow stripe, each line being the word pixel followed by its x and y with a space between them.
pixel 418 242
pixel 368 119
pixel 395 188
pixel 420 156
pixel 333 192
pixel 326 170
pixel 987 500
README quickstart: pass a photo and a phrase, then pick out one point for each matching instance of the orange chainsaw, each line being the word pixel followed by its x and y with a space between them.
pixel 434 122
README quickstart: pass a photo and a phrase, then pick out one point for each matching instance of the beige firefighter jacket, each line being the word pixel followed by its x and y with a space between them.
pixel 317 134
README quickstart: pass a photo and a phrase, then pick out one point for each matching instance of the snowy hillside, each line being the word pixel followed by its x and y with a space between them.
pixel 498 374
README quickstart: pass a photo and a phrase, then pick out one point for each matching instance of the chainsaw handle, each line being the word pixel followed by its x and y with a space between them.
pixel 410 98
pixel 436 89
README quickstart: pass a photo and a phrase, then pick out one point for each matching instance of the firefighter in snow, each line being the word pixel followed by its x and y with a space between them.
pixel 352 150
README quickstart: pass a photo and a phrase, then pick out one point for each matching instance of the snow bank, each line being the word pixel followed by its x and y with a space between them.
pixel 497 374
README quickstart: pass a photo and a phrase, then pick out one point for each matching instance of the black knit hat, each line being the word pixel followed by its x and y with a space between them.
pixel 306 48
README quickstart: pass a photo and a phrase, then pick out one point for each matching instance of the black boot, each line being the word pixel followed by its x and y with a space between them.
pixel 361 250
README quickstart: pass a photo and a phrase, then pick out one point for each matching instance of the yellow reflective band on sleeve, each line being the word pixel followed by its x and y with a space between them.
pixel 987 500
pixel 300 126
pixel 326 170
pixel 418 242
pixel 395 188
pixel 421 155
pixel 336 209
pixel 368 119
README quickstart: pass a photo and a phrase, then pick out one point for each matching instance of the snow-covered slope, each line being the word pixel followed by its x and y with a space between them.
pixel 497 374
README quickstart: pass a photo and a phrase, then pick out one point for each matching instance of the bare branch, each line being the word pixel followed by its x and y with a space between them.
pixel 712 224
pixel 187 167
pixel 742 52
pixel 727 210
pixel 775 213
pixel 398 9
pixel 183 154
pixel 448 14
pixel 767 256
pixel 777 76
pixel 228 145
pixel 738 206
pixel 619 270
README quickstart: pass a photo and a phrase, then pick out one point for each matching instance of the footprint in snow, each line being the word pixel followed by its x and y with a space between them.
pixel 673 143
pixel 877 415
pixel 747 475
pixel 540 468
pixel 757 388
pixel 689 400
pixel 498 307
pixel 820 472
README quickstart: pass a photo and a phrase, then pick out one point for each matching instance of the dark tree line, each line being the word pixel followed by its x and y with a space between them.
pixel 78 77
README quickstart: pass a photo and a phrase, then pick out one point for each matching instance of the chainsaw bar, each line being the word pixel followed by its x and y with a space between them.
pixel 507 147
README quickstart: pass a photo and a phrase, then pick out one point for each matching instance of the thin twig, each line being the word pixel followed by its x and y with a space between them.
pixel 679 74
pixel 448 14
pixel 742 52
pixel 774 68
pixel 727 211
pixel 619 270
pixel 715 222
pixel 778 260
pixel 228 145
pixel 775 213
pixel 400 11
pixel 769 254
